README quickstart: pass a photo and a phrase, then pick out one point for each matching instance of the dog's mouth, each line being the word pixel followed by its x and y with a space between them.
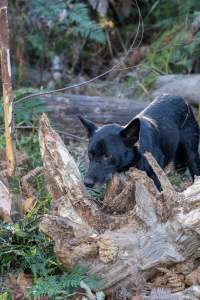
pixel 93 182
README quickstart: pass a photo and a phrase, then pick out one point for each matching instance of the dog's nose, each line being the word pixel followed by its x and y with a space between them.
pixel 89 182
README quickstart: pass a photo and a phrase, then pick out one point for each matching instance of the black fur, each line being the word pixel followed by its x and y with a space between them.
pixel 166 128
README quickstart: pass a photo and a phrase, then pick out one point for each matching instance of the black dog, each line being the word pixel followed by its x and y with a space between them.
pixel 166 128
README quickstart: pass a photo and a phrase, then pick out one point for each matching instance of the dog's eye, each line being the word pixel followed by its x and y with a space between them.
pixel 106 157
pixel 90 154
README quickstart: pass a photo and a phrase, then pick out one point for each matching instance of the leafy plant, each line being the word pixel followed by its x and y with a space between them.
pixel 51 28
pixel 6 296
pixel 172 48
pixel 23 248
pixel 86 27
pixel 2 141
pixel 26 112
pixel 62 285
pixel 172 53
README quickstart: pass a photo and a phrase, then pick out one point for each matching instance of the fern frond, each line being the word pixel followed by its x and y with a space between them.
pixel 86 27
pixel 161 294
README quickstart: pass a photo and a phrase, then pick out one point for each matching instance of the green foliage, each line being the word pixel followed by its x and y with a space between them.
pixel 172 53
pixel 73 30
pixel 172 46
pixel 41 30
pixel 23 248
pixel 29 143
pixel 1 112
pixel 60 24
pixel 163 14
pixel 172 50
pixel 86 27
pixel 178 178
pixel 98 193
pixel 62 285
pixel 2 141
pixel 6 296
pixel 27 112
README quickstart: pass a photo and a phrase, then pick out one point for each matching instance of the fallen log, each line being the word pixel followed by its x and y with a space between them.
pixel 186 86
pixel 152 234
pixel 63 110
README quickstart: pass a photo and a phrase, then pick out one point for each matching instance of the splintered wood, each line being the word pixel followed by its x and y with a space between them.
pixel 5 203
pixel 139 236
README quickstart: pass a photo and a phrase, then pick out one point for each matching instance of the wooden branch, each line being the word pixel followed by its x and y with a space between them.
pixel 7 87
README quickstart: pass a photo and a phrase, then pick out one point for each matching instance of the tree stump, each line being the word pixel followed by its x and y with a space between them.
pixel 142 240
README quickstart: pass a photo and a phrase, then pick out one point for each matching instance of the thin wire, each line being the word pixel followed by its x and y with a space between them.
pixel 59 131
pixel 131 49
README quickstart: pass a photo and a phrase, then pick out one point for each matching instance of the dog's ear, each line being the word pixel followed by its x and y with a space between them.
pixel 130 133
pixel 90 126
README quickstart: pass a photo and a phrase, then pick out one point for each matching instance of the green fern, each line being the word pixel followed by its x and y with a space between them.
pixel 62 285
pixel 23 247
pixel 171 53
pixel 2 141
pixel 46 287
pixel 86 27
pixel 25 112
pixel 76 22
pixel 6 296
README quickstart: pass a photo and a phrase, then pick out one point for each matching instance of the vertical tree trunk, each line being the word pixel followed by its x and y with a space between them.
pixel 7 86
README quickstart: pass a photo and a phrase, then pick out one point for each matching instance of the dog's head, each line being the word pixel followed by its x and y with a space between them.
pixel 110 149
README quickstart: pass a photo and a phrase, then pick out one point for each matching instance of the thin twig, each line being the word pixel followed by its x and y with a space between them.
pixel 109 44
pixel 59 131
pixel 121 41
pixel 28 189
pixel 71 135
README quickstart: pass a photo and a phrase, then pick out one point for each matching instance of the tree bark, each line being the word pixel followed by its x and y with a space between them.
pixel 150 242
pixel 63 110
pixel 7 87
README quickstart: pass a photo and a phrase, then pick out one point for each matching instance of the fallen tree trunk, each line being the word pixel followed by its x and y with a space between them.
pixel 150 242
pixel 63 110
pixel 186 86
